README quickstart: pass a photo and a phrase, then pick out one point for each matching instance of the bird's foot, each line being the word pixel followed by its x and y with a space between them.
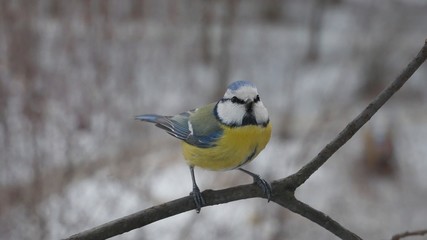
pixel 262 183
pixel 198 198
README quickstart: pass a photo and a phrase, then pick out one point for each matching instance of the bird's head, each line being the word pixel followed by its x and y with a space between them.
pixel 241 105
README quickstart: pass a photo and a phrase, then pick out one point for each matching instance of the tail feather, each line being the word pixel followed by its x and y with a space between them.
pixel 166 123
pixel 153 118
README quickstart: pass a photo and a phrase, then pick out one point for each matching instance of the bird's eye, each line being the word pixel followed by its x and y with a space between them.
pixel 237 100
pixel 256 98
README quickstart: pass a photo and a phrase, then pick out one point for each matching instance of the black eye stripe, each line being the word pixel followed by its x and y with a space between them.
pixel 240 101
pixel 237 100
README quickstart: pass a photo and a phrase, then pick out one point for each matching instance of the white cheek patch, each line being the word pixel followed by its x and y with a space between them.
pixel 230 113
pixel 261 113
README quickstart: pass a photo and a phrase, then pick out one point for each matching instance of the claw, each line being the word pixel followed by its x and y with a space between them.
pixel 198 198
pixel 262 183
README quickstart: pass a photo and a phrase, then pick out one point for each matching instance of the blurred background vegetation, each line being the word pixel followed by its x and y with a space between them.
pixel 74 73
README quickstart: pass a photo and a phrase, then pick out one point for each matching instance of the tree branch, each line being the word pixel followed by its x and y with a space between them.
pixel 290 202
pixel 283 189
pixel 409 234
pixel 348 132
pixel 165 210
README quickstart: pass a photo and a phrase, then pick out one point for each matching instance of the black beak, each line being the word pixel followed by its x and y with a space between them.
pixel 249 118
pixel 249 106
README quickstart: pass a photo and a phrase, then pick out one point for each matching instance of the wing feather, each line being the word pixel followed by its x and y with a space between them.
pixel 198 127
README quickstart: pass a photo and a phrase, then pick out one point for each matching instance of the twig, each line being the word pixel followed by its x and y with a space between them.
pixel 409 234
pixel 283 189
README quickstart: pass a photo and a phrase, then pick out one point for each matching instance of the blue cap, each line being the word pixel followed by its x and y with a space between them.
pixel 238 84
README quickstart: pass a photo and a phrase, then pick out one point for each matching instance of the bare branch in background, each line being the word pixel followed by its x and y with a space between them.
pixel 283 189
pixel 409 234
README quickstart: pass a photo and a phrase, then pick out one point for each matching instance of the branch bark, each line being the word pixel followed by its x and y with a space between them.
pixel 283 189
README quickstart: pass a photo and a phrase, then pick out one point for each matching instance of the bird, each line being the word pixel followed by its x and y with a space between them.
pixel 222 135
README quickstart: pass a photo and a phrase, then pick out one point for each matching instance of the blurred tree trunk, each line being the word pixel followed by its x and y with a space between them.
pixel 3 115
pixel 3 88
pixel 315 30
pixel 271 11
pixel 22 60
pixel 137 11
pixel 224 58
pixel 205 43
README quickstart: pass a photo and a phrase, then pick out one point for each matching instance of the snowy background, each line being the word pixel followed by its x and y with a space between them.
pixel 74 73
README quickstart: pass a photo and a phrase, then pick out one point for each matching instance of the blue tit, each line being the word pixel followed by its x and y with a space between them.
pixel 223 135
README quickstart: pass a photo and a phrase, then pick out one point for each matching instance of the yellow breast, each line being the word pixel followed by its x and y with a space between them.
pixel 237 146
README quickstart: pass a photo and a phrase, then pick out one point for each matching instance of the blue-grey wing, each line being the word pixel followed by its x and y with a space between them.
pixel 167 123
pixel 198 127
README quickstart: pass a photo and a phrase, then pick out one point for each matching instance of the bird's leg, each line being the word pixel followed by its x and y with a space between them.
pixel 197 196
pixel 263 184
